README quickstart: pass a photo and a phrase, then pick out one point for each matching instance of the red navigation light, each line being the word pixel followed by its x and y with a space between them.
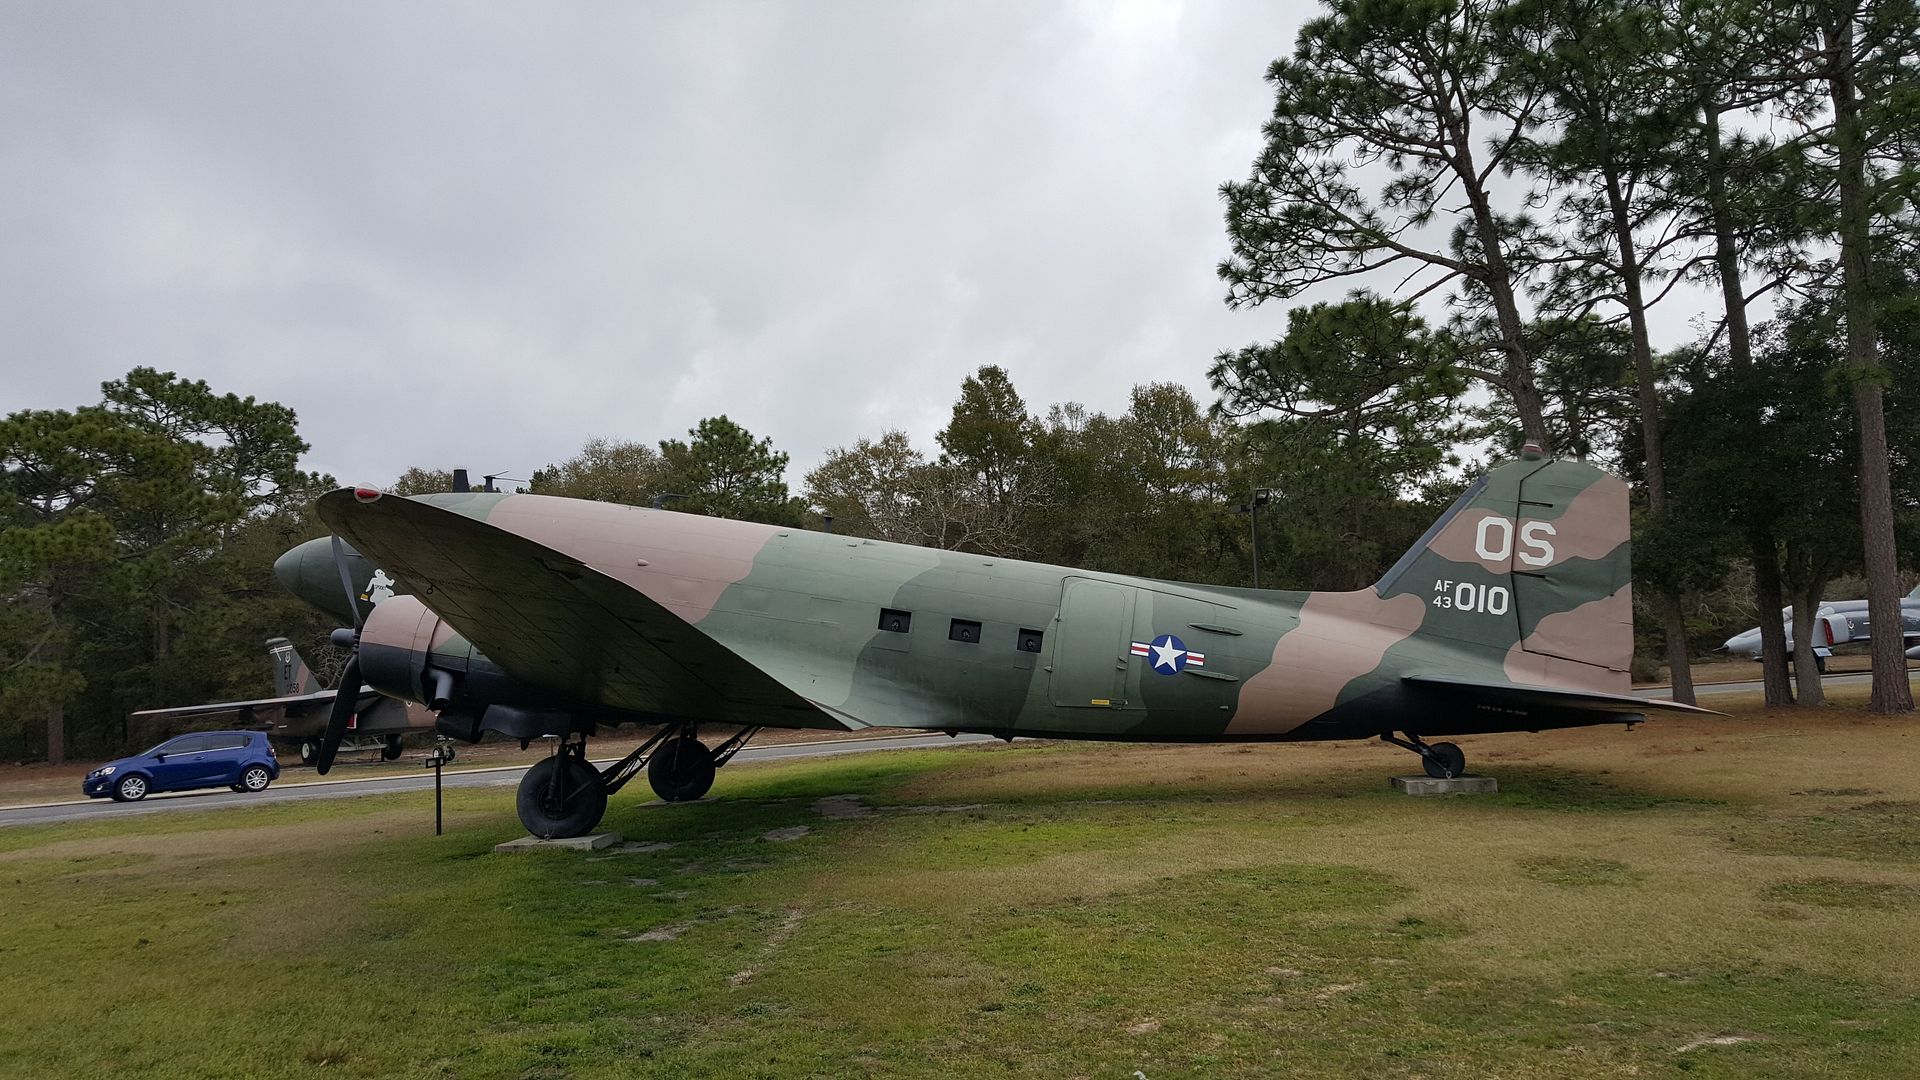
pixel 366 494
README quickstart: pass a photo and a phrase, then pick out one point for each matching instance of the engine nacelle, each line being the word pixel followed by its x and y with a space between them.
pixel 408 652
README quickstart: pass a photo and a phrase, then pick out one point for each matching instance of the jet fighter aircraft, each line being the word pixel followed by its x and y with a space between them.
pixel 299 709
pixel 1838 622
pixel 536 616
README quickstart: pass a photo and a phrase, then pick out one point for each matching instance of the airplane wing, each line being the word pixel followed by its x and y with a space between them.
pixel 552 621
pixel 260 712
pixel 1556 706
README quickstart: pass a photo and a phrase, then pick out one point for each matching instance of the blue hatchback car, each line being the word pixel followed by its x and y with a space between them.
pixel 241 760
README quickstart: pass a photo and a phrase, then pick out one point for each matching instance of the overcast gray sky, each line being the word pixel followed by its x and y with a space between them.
pixel 477 234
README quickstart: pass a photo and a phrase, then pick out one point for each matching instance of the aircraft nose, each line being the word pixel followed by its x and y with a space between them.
pixel 307 571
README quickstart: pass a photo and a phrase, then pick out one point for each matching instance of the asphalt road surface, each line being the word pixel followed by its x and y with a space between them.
pixel 85 809
pixel 504 776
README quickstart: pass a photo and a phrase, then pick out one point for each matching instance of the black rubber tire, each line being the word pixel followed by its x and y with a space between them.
pixel 391 751
pixel 1444 761
pixel 584 798
pixel 266 778
pixel 309 749
pixel 1820 664
pixel 681 770
pixel 121 793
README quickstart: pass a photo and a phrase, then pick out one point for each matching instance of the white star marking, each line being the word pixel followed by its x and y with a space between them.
pixel 1167 656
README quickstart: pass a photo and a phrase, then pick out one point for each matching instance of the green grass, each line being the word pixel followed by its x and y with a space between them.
pixel 1055 911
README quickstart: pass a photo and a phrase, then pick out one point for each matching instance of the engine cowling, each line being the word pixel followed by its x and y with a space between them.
pixel 408 652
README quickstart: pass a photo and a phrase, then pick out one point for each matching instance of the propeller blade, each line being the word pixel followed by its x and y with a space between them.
pixel 345 700
pixel 346 579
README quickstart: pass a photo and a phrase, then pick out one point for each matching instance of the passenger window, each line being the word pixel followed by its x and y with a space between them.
pixel 186 744
pixel 964 630
pixel 1028 641
pixel 228 742
pixel 898 622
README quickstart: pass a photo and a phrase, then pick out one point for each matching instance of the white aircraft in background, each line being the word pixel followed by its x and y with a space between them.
pixel 1838 622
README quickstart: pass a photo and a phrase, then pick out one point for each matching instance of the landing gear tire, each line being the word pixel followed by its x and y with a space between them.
pixel 309 749
pixel 571 807
pixel 1444 761
pixel 391 751
pixel 682 770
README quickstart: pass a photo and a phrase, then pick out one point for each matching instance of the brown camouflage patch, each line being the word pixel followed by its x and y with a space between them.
pixel 1538 669
pixel 681 561
pixel 1598 632
pixel 1595 523
pixel 1460 540
pixel 1341 637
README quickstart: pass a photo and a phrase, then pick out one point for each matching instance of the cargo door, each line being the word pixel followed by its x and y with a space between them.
pixel 1091 658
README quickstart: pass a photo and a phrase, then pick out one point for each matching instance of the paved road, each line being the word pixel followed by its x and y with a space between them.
pixel 501 777
pixel 380 785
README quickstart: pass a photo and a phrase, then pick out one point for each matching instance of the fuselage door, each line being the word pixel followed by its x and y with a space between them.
pixel 1091 661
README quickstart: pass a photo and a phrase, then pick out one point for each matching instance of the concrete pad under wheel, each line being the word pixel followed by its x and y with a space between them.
pixel 1459 785
pixel 590 842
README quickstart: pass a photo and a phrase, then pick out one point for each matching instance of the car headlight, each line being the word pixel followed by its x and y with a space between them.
pixel 107 771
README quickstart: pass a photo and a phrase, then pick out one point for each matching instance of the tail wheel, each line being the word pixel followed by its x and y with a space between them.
pixel 1444 761
pixel 682 770
pixel 561 796
pixel 309 749
pixel 391 751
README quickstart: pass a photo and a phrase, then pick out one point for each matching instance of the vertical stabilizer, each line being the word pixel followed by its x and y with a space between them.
pixel 1532 561
pixel 291 675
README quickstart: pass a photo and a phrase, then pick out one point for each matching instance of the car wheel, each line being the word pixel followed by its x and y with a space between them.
pixel 256 778
pixel 130 789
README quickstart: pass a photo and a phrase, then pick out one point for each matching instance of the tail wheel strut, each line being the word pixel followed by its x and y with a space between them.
pixel 1442 761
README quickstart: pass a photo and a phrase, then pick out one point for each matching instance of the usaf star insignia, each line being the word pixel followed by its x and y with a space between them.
pixel 1169 655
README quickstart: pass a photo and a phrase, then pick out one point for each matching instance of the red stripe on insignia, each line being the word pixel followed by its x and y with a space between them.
pixel 1195 661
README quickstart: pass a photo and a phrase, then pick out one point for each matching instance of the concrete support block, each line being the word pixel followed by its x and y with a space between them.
pixel 590 842
pixel 1459 785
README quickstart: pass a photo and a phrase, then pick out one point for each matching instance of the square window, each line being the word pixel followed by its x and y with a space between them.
pixel 1028 641
pixel 964 630
pixel 898 622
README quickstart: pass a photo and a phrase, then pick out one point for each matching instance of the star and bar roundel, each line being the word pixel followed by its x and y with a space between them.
pixel 1168 655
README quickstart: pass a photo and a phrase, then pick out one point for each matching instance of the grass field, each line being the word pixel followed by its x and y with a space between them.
pixel 1724 897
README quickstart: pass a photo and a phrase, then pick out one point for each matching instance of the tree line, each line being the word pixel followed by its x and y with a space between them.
pixel 1553 170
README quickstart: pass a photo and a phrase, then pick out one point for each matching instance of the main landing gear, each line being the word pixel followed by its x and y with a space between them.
pixel 1442 761
pixel 566 796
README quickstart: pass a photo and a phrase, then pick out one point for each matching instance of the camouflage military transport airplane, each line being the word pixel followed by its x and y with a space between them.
pixel 298 711
pixel 536 616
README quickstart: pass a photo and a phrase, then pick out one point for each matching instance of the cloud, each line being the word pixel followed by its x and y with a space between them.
pixel 458 235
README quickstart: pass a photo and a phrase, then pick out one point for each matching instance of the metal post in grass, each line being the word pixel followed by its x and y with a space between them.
pixel 437 759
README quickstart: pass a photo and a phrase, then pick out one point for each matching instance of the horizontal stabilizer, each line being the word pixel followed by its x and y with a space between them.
pixel 1525 697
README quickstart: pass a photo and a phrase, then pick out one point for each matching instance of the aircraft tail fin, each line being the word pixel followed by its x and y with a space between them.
pixel 292 675
pixel 1533 560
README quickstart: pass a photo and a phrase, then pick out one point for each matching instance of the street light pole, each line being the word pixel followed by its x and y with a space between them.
pixel 1261 496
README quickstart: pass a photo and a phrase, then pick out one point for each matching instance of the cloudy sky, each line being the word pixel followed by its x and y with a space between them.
pixel 477 234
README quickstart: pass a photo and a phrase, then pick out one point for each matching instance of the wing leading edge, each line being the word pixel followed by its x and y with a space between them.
pixel 550 620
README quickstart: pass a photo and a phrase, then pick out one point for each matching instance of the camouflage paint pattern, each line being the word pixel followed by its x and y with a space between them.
pixel 1523 584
